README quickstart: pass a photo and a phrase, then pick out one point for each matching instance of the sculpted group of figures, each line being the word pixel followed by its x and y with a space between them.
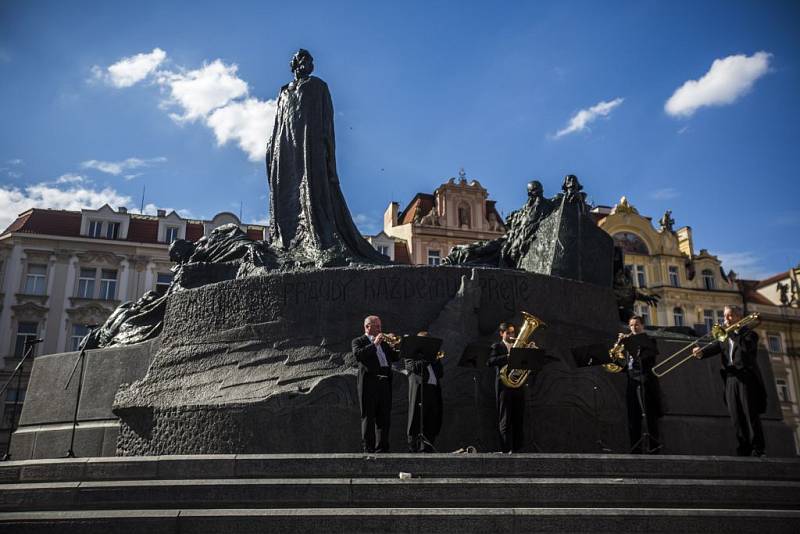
pixel 744 392
pixel 311 228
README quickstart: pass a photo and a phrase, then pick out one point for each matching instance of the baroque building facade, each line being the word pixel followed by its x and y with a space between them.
pixel 692 287
pixel 63 270
pixel 458 212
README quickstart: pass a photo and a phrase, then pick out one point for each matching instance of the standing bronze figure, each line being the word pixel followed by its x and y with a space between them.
pixel 308 214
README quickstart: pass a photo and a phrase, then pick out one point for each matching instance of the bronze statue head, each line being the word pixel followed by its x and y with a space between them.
pixel 535 189
pixel 302 63
pixel 571 183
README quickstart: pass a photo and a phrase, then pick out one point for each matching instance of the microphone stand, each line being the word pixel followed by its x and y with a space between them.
pixel 29 344
pixel 81 359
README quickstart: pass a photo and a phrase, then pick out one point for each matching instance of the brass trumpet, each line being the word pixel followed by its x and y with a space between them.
pixel 718 333
pixel 392 339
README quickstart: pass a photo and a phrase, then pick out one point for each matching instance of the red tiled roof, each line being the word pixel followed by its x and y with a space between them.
pixel 194 231
pixel 49 222
pixel 424 200
pixel 748 289
pixel 401 253
pixel 772 279
pixel 143 230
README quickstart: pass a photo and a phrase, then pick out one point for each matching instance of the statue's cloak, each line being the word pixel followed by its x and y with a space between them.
pixel 308 213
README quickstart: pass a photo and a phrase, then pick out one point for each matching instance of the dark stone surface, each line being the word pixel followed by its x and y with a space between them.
pixel 285 382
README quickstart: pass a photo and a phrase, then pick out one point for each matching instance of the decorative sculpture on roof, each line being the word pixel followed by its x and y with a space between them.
pixel 666 222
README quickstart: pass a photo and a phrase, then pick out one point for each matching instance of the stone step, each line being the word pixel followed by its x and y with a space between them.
pixel 390 520
pixel 389 465
pixel 401 493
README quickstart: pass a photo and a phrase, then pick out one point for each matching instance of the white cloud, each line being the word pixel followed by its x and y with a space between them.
pixel 248 122
pixel 747 265
pixel 582 118
pixel 366 224
pixel 213 94
pixel 14 201
pixel 70 178
pixel 16 161
pixel 118 167
pixel 667 193
pixel 201 91
pixel 131 70
pixel 726 80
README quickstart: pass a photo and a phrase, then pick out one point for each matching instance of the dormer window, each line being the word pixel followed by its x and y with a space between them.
pixel 95 228
pixel 112 230
pixel 708 279
pixel 171 234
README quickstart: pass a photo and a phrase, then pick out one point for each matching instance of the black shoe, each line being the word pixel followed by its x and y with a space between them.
pixel 758 454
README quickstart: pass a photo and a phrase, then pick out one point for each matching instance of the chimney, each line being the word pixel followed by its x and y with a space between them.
pixel 162 213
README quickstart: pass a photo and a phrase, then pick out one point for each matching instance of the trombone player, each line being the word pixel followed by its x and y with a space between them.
pixel 745 394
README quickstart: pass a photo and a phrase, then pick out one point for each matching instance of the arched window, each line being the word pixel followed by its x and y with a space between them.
pixel 708 279
pixel 677 316
pixel 464 215
pixel 631 243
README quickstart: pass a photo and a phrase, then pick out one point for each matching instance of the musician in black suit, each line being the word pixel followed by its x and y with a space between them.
pixel 745 394
pixel 641 381
pixel 510 401
pixel 374 356
pixel 424 384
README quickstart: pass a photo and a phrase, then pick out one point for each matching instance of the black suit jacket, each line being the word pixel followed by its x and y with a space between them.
pixel 745 362
pixel 367 357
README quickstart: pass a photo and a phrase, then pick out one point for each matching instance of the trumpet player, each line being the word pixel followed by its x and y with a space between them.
pixel 424 402
pixel 643 394
pixel 510 401
pixel 374 356
pixel 745 394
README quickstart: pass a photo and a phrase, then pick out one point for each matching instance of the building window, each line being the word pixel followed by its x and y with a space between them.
pixel 95 228
pixel 108 284
pixel 774 343
pixel 674 281
pixel 643 310
pixel 464 216
pixel 35 279
pixel 25 331
pixel 783 390
pixel 162 282
pixel 639 276
pixel 708 319
pixel 434 258
pixel 383 249
pixel 79 331
pixel 677 316
pixel 171 234
pixel 720 317
pixel 708 279
pixel 112 230
pixel 86 283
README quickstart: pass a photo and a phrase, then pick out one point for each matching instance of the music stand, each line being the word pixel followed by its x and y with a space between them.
pixel 81 359
pixel 422 350
pixel 633 345
pixel 528 359
pixel 474 357
pixel 594 355
pixel 29 344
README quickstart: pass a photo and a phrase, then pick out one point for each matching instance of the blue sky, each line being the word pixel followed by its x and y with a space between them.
pixel 102 99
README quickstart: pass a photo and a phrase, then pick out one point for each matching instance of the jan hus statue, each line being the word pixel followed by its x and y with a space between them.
pixel 309 219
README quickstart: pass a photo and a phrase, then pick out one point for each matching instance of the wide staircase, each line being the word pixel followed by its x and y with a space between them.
pixel 401 493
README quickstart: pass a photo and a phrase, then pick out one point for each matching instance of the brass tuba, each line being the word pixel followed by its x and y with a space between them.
pixel 514 378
